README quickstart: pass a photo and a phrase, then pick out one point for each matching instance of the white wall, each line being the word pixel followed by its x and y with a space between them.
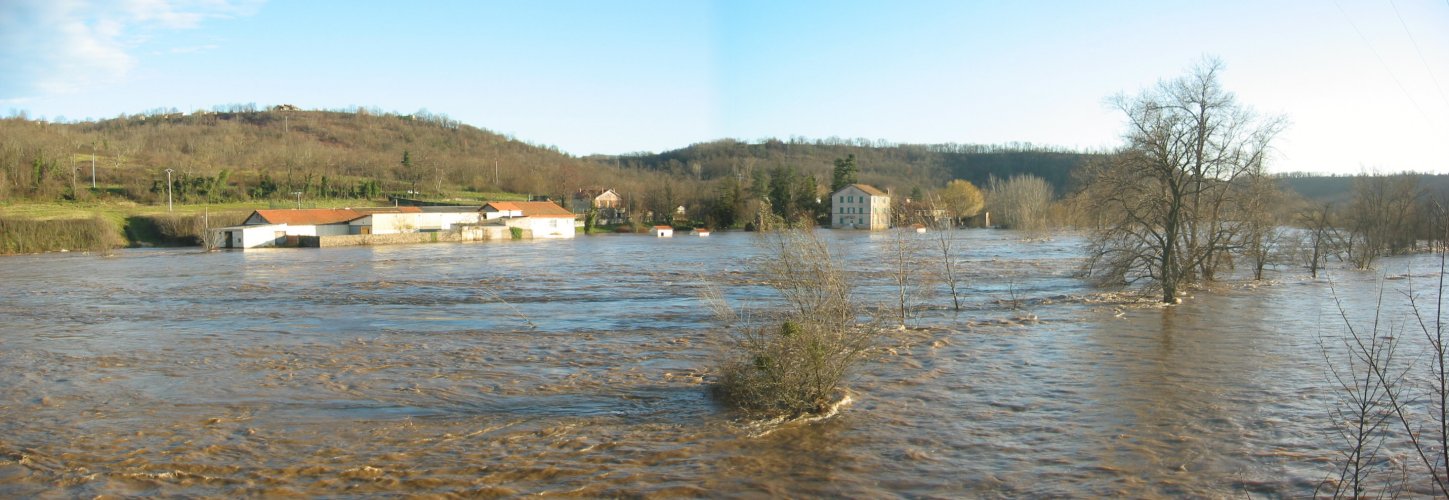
pixel 545 227
pixel 258 236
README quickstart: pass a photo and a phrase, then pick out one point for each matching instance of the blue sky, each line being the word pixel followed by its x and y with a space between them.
pixel 1362 82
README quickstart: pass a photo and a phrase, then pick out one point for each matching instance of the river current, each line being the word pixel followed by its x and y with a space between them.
pixel 580 367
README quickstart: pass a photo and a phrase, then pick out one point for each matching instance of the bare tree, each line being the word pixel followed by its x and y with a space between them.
pixel 1021 202
pixel 945 242
pixel 1260 227
pixel 1383 216
pixel 1165 202
pixel 1383 397
pixel 1361 365
pixel 1323 238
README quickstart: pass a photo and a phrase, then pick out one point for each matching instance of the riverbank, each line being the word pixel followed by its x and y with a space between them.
pixel 98 226
pixel 39 227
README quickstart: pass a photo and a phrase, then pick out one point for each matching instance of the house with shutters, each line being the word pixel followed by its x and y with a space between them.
pixel 860 206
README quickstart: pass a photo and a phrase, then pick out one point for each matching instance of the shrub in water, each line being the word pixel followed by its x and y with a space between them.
pixel 792 361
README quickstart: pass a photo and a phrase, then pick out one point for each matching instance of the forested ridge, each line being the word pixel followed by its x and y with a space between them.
pixel 245 153
pixel 241 153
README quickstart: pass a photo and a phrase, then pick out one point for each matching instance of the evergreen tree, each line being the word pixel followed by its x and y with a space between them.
pixel 846 173
pixel 725 206
pixel 760 184
pixel 807 194
pixel 783 191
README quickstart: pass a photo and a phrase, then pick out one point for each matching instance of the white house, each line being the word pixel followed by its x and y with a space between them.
pixel 545 219
pixel 663 231
pixel 860 206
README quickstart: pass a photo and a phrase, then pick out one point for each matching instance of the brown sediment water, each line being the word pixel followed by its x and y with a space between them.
pixel 579 367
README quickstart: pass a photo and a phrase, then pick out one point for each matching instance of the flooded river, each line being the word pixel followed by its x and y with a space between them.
pixel 579 367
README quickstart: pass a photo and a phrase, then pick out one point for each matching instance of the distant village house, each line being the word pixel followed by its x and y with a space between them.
pixel 609 204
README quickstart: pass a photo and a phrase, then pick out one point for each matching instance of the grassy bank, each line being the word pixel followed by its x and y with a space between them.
pixel 19 235
pixel 52 227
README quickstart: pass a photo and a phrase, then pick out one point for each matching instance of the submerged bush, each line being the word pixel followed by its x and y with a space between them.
pixel 792 361
pixel 191 229
pixel 32 235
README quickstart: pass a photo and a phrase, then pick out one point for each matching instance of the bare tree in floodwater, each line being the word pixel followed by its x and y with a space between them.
pixel 1324 239
pixel 1384 397
pixel 1383 217
pixel 945 242
pixel 1164 205
pixel 1021 202
pixel 1260 228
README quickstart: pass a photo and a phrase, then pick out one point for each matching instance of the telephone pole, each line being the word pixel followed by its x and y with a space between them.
pixel 168 189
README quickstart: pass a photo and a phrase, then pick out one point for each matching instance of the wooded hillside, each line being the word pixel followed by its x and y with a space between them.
pixel 241 153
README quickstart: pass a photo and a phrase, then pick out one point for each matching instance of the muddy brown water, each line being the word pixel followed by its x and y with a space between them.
pixel 579 367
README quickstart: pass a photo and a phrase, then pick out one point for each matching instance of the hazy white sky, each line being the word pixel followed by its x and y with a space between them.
pixel 1362 82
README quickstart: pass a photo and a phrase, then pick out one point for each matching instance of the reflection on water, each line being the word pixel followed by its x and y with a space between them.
pixel 577 367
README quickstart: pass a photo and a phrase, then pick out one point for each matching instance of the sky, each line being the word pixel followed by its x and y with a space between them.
pixel 1362 83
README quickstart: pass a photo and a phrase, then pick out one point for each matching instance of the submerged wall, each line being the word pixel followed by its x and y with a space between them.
pixel 471 233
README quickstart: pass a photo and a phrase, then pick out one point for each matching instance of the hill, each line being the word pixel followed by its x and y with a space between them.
pixel 899 167
pixel 240 153
pixel 1338 189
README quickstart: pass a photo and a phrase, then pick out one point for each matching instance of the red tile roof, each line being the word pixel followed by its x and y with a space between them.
pixel 388 210
pixel 316 216
pixel 869 189
pixel 532 208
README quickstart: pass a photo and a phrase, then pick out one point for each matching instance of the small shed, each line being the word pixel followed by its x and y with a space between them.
pixel 663 231
pixel 253 236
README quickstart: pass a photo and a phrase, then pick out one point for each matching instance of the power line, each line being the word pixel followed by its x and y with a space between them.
pixel 1385 64
pixel 1422 59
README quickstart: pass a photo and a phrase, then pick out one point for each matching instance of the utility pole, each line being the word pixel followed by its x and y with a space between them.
pixel 495 172
pixel 93 167
pixel 298 194
pixel 168 189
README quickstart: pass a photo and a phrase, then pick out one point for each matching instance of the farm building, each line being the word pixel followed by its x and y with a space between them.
pixel 267 228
